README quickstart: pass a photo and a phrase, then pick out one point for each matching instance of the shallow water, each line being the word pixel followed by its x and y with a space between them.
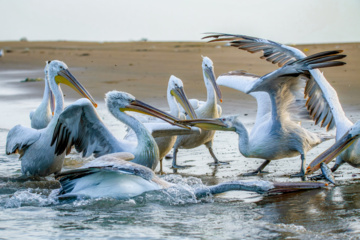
pixel 30 209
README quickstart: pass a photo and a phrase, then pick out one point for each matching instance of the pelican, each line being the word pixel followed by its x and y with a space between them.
pixel 80 125
pixel 36 155
pixel 175 96
pixel 275 135
pixel 112 175
pixel 208 109
pixel 323 103
pixel 42 115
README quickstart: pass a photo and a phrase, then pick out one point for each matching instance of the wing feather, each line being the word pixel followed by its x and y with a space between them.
pixel 80 125
pixel 330 107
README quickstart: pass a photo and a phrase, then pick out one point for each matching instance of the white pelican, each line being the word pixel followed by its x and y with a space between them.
pixel 112 175
pixel 80 125
pixel 208 109
pixel 42 115
pixel 323 103
pixel 175 94
pixel 275 135
pixel 36 155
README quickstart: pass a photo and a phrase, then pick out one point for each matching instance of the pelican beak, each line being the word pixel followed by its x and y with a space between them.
pixel 64 76
pixel 52 102
pixel 332 152
pixel 207 124
pixel 141 107
pixel 209 73
pixel 179 94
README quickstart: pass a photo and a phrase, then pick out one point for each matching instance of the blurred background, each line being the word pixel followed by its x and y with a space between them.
pixel 291 22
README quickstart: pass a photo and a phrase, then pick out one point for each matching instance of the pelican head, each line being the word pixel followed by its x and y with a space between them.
pixel 62 75
pixel 127 102
pixel 208 69
pixel 337 148
pixel 176 89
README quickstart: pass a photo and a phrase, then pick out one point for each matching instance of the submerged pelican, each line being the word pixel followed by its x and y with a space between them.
pixel 112 175
pixel 175 96
pixel 80 125
pixel 208 109
pixel 42 115
pixel 36 155
pixel 323 103
pixel 275 135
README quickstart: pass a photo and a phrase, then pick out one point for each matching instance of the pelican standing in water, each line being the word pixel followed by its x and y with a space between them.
pixel 112 175
pixel 80 125
pixel 175 96
pixel 42 115
pixel 275 135
pixel 36 155
pixel 208 109
pixel 323 103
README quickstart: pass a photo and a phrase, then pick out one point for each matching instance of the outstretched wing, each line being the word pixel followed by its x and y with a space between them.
pixel 278 82
pixel 273 52
pixel 19 138
pixel 243 81
pixel 322 101
pixel 80 125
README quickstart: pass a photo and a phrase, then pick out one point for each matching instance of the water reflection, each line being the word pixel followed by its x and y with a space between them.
pixel 319 211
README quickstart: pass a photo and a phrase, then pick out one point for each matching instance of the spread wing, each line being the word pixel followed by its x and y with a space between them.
pixel 243 81
pixel 79 125
pixel 322 101
pixel 19 138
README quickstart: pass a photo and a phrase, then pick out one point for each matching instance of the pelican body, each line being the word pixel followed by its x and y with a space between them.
pixel 79 125
pixel 208 109
pixel 275 135
pixel 112 175
pixel 37 157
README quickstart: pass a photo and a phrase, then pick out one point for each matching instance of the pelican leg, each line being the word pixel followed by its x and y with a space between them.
pixel 302 169
pixel 161 168
pixel 174 165
pixel 216 161
pixel 259 170
pixel 337 165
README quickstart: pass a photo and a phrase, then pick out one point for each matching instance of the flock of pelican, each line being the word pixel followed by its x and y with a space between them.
pixel 123 168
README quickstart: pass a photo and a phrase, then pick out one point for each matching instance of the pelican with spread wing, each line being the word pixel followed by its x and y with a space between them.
pixel 322 100
pixel 275 135
pixel 36 155
pixel 112 175
pixel 80 125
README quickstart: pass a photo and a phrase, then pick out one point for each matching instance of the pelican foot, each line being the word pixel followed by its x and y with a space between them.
pixel 255 173
pixel 181 166
pixel 317 177
pixel 161 173
pixel 300 174
pixel 218 163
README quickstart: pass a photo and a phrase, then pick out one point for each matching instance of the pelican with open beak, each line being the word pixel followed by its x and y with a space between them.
pixel 37 157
